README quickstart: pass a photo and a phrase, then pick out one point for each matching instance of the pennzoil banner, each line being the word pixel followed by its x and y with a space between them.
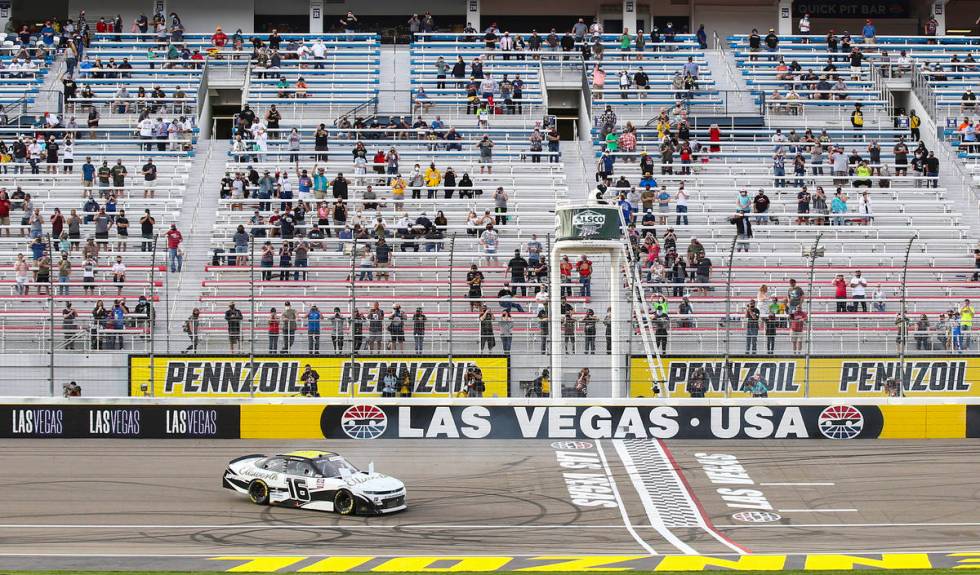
pixel 279 376
pixel 955 376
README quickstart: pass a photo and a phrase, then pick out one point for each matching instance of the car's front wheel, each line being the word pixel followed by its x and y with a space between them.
pixel 343 502
pixel 258 492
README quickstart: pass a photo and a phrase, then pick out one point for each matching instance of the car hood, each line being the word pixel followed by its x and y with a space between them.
pixel 374 482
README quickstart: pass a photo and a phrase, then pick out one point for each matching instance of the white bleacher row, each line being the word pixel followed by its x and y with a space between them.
pixel 776 249
pixel 451 101
pixel 55 187
pixel 533 188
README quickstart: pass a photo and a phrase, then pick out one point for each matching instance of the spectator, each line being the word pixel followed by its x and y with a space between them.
pixel 486 154
pixel 757 386
pixel 772 323
pixel 868 32
pixel 743 229
pixel 969 101
pixel 878 299
pixel 661 324
pixel 543 328
pixel 796 326
pixel 273 331
pixel 795 296
pixel 772 44
pixel 696 384
pixel 310 379
pixel 389 383
pixel 751 328
pixel 419 321
pixel 375 319
pixel 857 116
pixel 289 324
pixel 859 287
pixel 174 238
pixel 922 336
pixel 568 332
pixel 396 329
pixel 313 318
pixel 72 389
pixel 487 340
pixel 473 381
pixel 584 269
pixel 840 293
pixel 69 316
pixel 582 383
pixel 966 313
pixel 233 316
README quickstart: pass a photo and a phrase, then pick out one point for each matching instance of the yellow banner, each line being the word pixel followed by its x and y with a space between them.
pixel 829 376
pixel 272 376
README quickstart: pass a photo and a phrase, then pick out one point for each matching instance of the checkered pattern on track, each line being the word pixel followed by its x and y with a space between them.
pixel 661 482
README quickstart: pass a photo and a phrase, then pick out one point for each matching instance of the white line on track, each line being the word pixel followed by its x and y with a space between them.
pixel 619 501
pixel 801 483
pixel 648 505
pixel 817 510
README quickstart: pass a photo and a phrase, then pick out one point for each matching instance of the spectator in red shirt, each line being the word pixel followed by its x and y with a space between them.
pixel 797 322
pixel 5 210
pixel 565 269
pixel 840 287
pixel 174 237
pixel 102 26
pixel 219 38
pixel 584 268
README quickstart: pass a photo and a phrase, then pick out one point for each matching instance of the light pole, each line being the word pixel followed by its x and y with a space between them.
pixel 452 365
pixel 251 311
pixel 813 253
pixel 728 312
pixel 901 353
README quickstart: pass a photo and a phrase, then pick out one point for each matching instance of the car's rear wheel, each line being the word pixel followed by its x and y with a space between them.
pixel 343 503
pixel 258 492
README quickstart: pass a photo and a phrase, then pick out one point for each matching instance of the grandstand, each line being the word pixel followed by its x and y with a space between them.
pixel 853 156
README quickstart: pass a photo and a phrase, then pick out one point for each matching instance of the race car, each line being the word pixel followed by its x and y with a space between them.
pixel 318 480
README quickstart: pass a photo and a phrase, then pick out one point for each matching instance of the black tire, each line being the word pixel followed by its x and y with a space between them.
pixel 343 502
pixel 258 492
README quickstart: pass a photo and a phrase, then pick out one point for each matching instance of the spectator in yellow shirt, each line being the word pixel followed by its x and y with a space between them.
pixel 398 190
pixel 432 180
pixel 966 322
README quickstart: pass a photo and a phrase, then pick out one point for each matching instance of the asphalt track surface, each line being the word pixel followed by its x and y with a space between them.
pixel 159 504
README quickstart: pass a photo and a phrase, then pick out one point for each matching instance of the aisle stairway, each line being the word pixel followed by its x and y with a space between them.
pixel 395 97
pixel 196 217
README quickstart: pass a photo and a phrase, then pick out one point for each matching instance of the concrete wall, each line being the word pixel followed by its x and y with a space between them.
pixel 728 18
pixel 291 7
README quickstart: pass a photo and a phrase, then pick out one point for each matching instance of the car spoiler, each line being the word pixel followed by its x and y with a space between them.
pixel 244 457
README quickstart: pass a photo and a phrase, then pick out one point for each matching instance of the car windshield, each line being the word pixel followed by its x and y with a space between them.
pixel 331 466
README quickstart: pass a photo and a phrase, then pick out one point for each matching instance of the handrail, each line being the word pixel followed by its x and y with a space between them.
pixel 641 311
pixel 370 104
